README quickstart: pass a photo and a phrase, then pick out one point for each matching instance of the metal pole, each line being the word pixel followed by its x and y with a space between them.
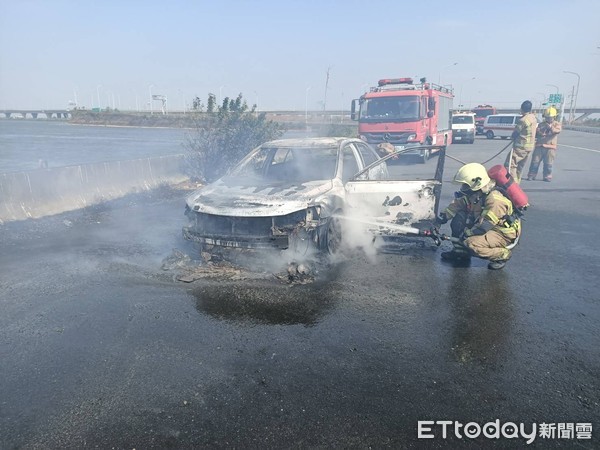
pixel 542 101
pixel 571 105
pixel 576 97
pixel 150 89
pixel 98 94
pixel 306 106
pixel 576 92
pixel 460 95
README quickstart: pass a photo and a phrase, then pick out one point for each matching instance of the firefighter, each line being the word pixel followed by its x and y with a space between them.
pixel 523 141
pixel 482 218
pixel 546 138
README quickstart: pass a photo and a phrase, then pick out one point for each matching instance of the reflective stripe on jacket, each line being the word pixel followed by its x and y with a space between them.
pixel 471 204
pixel 547 134
pixel 493 208
pixel 497 210
pixel 525 128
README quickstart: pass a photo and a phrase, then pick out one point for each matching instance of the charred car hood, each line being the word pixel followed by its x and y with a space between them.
pixel 244 198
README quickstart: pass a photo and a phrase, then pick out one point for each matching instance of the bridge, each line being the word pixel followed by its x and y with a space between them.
pixel 36 113
pixel 585 112
pixel 580 113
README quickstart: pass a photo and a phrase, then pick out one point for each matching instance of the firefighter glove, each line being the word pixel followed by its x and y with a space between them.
pixel 467 233
pixel 441 219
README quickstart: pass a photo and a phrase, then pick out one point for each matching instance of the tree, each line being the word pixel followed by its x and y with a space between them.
pixel 197 104
pixel 217 145
pixel 211 103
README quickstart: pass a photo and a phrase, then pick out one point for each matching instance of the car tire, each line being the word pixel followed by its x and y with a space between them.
pixel 333 235
pixel 472 141
pixel 425 156
pixel 489 134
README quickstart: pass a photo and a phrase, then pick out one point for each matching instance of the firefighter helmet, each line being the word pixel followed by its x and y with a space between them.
pixel 473 175
pixel 550 112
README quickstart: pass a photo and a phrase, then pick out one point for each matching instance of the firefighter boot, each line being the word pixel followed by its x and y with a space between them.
pixel 498 264
pixel 456 254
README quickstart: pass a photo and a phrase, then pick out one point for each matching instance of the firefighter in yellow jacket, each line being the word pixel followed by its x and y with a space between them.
pixel 482 217
pixel 546 139
pixel 523 141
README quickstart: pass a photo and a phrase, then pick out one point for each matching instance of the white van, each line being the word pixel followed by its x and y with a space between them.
pixel 463 127
pixel 501 125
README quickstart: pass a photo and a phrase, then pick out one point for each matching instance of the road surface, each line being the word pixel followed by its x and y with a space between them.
pixel 101 347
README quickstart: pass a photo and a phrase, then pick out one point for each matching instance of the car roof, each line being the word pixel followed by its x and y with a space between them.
pixel 308 142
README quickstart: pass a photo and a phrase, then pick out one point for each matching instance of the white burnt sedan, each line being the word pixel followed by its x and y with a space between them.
pixel 300 190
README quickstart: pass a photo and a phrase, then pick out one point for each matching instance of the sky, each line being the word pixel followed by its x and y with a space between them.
pixel 282 54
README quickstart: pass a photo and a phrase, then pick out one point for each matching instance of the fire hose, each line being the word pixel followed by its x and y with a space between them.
pixel 486 161
pixel 432 233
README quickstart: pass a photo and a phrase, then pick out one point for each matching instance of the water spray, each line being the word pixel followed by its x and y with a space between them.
pixel 432 233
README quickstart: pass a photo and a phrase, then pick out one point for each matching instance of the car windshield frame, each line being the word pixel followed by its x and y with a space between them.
pixel 289 163
pixel 439 169
pixel 463 120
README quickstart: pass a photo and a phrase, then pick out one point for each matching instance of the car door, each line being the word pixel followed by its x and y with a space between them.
pixel 408 195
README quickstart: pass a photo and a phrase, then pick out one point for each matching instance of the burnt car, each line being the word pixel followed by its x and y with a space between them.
pixel 292 191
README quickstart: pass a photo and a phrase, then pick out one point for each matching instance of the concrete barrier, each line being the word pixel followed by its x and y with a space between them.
pixel 44 192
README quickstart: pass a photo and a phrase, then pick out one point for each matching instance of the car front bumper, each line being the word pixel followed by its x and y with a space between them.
pixel 276 232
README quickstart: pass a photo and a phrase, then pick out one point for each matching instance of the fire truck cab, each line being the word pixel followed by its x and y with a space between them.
pixel 404 114
pixel 481 112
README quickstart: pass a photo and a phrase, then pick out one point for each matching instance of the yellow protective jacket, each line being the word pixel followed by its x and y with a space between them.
pixel 487 211
pixel 525 128
pixel 547 134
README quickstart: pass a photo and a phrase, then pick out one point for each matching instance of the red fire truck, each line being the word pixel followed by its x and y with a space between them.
pixel 481 112
pixel 405 114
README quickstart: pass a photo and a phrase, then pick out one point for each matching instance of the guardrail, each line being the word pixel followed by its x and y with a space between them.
pixel 582 128
pixel 43 192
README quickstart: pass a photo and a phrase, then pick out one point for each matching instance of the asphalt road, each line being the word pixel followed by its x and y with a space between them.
pixel 101 347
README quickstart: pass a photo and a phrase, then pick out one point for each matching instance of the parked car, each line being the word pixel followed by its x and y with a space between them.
pixel 299 190
pixel 501 125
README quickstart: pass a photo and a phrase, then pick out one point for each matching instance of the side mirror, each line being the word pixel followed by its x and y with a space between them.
pixel 353 113
pixel 429 114
pixel 431 104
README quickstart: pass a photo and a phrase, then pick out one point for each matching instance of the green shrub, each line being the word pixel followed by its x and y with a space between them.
pixel 226 137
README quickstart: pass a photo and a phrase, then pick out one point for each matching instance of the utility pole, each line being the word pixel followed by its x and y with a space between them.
pixel 151 98
pixel 576 92
pixel 326 87
pixel 306 106
pixel 571 112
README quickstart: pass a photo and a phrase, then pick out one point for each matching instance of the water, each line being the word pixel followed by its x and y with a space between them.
pixel 23 143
